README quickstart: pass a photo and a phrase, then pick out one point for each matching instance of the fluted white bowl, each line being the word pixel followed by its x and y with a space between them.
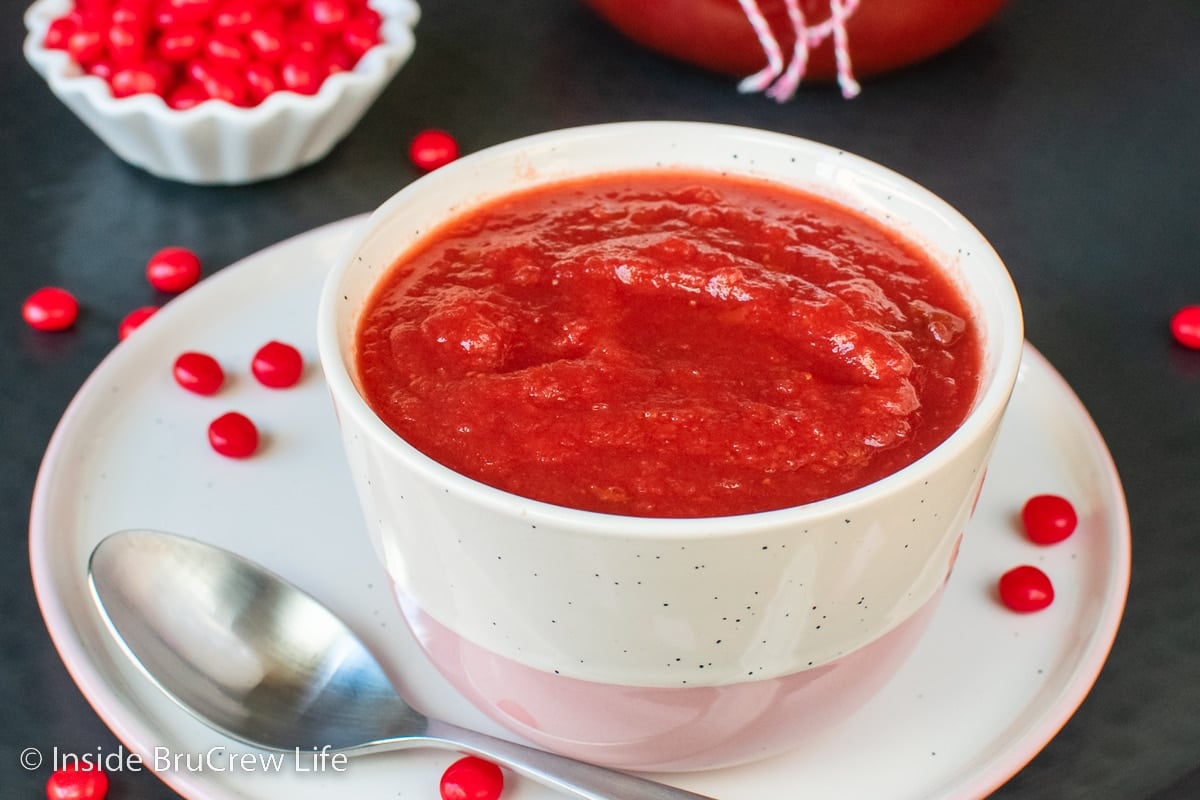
pixel 215 142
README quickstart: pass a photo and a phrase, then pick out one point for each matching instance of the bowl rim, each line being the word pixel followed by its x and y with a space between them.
pixel 66 78
pixel 990 404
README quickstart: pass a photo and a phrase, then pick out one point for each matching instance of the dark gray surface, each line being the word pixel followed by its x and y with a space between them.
pixel 1066 131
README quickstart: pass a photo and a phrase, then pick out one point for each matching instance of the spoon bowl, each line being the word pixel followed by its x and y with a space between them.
pixel 255 657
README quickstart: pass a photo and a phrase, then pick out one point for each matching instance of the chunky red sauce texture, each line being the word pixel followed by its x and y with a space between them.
pixel 668 344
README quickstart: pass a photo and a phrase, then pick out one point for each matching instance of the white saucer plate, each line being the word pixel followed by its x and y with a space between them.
pixel 984 692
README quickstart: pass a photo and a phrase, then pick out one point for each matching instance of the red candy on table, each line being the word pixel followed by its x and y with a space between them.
pixel 277 365
pixel 1048 518
pixel 76 782
pixel 133 321
pixel 191 51
pixel 199 373
pixel 50 309
pixel 1185 327
pixel 173 269
pixel 233 435
pixel 472 778
pixel 432 149
pixel 1025 589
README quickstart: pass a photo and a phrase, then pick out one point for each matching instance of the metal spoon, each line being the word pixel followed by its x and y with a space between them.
pixel 258 659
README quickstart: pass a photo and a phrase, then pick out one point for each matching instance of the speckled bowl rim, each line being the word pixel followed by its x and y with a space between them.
pixel 989 406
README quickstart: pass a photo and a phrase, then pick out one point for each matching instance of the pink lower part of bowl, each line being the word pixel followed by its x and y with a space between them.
pixel 665 729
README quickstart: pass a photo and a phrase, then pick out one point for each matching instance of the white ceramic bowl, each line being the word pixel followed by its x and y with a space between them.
pixel 215 142
pixel 597 635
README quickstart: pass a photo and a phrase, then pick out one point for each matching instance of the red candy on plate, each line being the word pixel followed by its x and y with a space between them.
pixel 432 149
pixel 199 373
pixel 50 309
pixel 173 269
pixel 277 365
pixel 1025 589
pixel 472 778
pixel 233 435
pixel 1048 518
pixel 1185 327
pixel 133 320
pixel 77 782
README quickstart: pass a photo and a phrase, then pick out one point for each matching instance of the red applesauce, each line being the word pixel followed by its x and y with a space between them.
pixel 668 344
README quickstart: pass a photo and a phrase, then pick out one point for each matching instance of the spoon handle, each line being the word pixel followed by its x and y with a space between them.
pixel 575 778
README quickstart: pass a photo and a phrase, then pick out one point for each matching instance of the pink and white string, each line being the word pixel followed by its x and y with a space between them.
pixel 780 81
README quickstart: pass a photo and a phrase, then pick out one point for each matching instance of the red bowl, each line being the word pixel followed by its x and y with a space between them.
pixel 715 34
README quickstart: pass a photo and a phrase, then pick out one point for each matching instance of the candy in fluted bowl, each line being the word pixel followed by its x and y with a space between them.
pixel 215 142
